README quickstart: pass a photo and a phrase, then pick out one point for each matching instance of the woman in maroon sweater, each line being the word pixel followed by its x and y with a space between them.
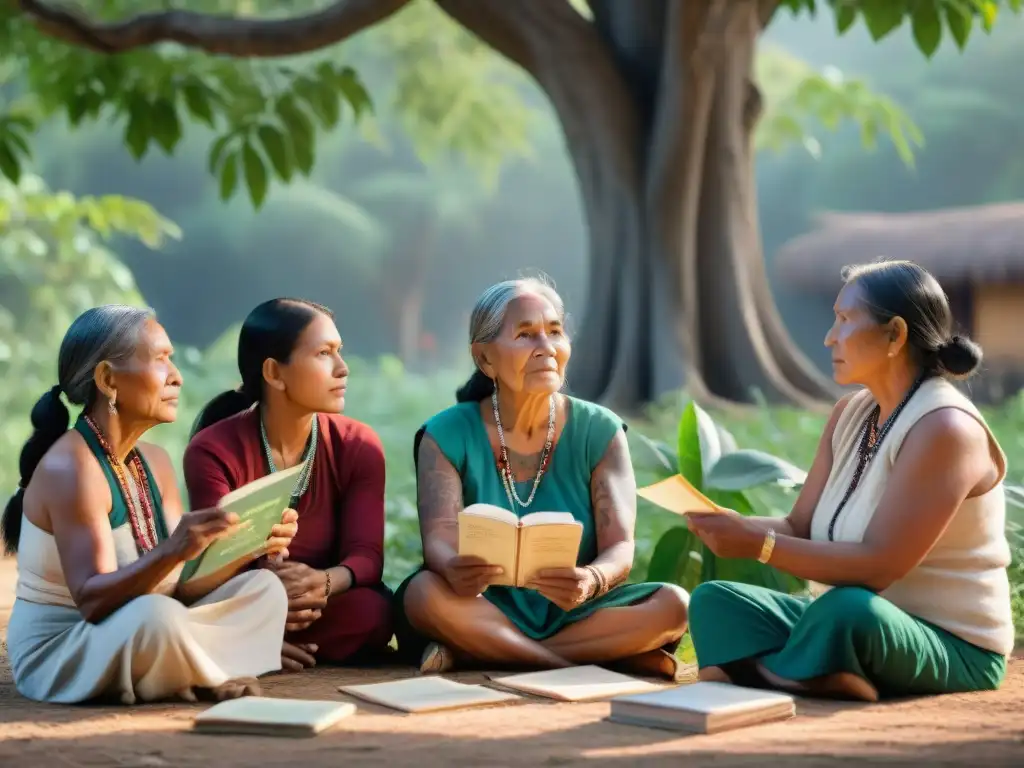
pixel 285 413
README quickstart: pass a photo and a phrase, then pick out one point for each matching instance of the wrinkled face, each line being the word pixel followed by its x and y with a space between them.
pixel 315 376
pixel 146 386
pixel 531 352
pixel 860 346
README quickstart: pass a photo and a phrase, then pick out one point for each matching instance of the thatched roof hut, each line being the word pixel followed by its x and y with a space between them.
pixel 976 253
pixel 977 244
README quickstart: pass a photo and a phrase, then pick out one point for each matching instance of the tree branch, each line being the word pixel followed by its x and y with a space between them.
pixel 228 35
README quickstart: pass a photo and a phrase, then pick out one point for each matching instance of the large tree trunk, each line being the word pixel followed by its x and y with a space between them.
pixel 658 104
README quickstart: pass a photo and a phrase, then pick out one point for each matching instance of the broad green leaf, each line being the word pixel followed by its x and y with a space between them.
pixel 276 147
pixel 137 132
pixel 846 15
pixel 688 447
pixel 356 95
pixel 9 165
pixel 676 559
pixel 301 130
pixel 882 16
pixel 165 125
pixel 229 176
pixel 321 98
pixel 198 102
pixel 959 19
pixel 255 174
pixel 654 456
pixel 217 151
pixel 747 468
pixel 710 443
pixel 927 26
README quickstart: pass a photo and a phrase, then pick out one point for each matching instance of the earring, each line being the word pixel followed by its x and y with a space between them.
pixel 891 353
pixel 111 407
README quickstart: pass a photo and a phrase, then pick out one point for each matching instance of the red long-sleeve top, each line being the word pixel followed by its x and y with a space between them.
pixel 341 515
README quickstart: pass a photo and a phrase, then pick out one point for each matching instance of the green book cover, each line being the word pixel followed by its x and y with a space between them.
pixel 259 506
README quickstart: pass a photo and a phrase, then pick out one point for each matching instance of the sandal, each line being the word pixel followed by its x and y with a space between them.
pixel 436 660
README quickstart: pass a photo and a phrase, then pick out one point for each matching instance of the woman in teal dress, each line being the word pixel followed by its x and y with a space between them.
pixel 514 441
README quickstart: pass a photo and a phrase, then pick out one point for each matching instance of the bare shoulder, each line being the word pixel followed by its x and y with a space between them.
pixel 159 461
pixel 949 432
pixel 69 471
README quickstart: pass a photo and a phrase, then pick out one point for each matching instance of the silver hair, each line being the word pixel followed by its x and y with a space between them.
pixel 109 333
pixel 490 309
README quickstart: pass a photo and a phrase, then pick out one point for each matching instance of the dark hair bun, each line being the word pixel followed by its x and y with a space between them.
pixel 959 357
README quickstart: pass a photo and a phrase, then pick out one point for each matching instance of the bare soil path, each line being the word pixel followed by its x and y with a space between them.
pixel 968 730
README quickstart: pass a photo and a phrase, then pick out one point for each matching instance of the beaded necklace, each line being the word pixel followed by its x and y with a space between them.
pixel 870 442
pixel 135 490
pixel 302 482
pixel 505 466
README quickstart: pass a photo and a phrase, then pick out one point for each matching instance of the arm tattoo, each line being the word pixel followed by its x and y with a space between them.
pixel 613 500
pixel 439 490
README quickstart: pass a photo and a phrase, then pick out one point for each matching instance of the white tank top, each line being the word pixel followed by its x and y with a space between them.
pixel 962 584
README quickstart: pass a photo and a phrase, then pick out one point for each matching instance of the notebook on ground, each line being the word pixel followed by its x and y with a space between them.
pixel 677 494
pixel 427 694
pixel 703 708
pixel 584 683
pixel 261 716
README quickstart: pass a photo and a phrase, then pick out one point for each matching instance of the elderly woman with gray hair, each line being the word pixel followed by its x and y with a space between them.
pixel 514 441
pixel 98 528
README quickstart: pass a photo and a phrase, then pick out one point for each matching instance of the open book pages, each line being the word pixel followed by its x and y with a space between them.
pixel 427 694
pixel 259 506
pixel 677 494
pixel 257 715
pixel 703 708
pixel 583 683
pixel 521 546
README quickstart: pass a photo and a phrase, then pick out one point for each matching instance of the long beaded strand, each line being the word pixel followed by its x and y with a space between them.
pixel 505 466
pixel 135 490
pixel 870 442
pixel 302 482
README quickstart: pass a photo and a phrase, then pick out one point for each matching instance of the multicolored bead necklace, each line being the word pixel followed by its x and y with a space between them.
pixel 134 486
pixel 505 466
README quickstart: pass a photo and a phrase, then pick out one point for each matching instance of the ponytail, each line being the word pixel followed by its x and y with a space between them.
pixel 478 387
pixel 50 420
pixel 221 407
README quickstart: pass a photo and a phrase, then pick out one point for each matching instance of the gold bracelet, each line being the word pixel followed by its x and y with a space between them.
pixel 767 547
pixel 327 584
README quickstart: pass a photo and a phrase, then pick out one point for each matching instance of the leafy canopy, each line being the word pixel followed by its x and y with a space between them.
pixel 278 77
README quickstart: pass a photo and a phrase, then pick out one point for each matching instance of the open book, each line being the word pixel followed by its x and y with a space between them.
pixel 259 506
pixel 703 708
pixel 587 682
pixel 260 716
pixel 522 546
pixel 429 693
pixel 677 494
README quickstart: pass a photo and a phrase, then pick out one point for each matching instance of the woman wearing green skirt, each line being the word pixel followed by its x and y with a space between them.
pixel 513 441
pixel 902 516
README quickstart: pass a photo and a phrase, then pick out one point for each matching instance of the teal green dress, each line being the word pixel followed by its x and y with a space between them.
pixel 462 436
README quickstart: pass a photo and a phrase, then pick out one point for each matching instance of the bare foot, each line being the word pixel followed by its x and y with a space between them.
pixel 713 675
pixel 437 659
pixel 839 685
pixel 233 689
pixel 656 663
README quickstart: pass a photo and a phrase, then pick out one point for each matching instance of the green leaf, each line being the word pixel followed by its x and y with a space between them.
pixel 322 98
pixel 301 130
pixel 676 558
pixel 846 15
pixel 229 176
pixel 137 132
pixel 255 174
pixel 927 27
pixel 663 461
pixel 9 165
pixel 197 101
pixel 217 150
pixel 276 146
pixel 744 469
pixel 881 17
pixel 959 19
pixel 352 88
pixel 688 449
pixel 165 125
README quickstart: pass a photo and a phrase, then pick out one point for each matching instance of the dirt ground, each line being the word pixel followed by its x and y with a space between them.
pixel 970 730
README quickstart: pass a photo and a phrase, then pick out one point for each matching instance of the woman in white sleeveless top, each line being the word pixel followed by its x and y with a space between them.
pixel 902 515
pixel 100 537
